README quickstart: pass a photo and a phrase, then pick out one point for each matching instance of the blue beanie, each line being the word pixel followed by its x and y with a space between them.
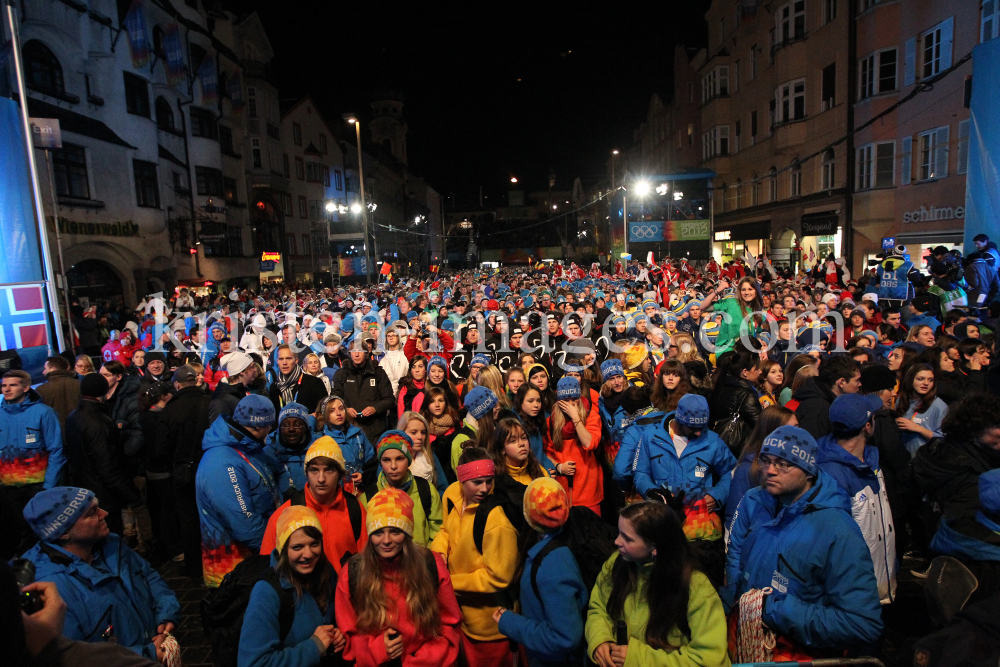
pixel 480 359
pixel 254 411
pixel 294 410
pixel 568 389
pixel 794 445
pixel 54 511
pixel 692 411
pixel 479 401
pixel 611 368
pixel 438 360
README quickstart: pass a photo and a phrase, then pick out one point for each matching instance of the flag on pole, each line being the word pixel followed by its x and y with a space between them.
pixel 812 254
pixel 386 268
pixel 434 268
pixel 209 80
pixel 138 40
pixel 649 258
pixel 750 260
pixel 174 52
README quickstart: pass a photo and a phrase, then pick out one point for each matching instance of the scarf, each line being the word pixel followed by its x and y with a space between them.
pixel 441 425
pixel 286 385
pixel 422 467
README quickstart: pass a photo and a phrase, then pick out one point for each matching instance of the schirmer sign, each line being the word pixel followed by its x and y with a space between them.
pixel 934 213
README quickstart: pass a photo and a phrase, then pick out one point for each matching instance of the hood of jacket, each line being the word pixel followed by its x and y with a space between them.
pixel 341 437
pixel 828 451
pixel 30 399
pixel 824 494
pixel 226 433
pixel 811 389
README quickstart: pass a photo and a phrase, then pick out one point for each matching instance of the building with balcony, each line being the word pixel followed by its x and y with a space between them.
pixel 148 183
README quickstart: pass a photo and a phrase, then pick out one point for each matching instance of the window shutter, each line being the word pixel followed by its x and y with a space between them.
pixel 963 147
pixel 906 174
pixel 947 29
pixel 941 152
pixel 988 21
pixel 910 67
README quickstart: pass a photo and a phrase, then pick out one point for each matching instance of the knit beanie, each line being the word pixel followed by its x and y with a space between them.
pixel 437 360
pixel 479 401
pixel 635 354
pixel 876 377
pixel 328 448
pixel 612 368
pixel 395 440
pixel 254 411
pixel 93 385
pixel 54 511
pixel 390 508
pixel 535 369
pixel 546 505
pixel 293 518
pixel 692 411
pixel 294 410
pixel 480 359
pixel 794 445
pixel 568 389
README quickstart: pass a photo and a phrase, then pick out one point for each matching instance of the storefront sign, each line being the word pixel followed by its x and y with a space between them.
pixel 126 228
pixel 45 133
pixel 266 267
pixel 934 213
pixel 781 254
pixel 888 243
pixel 270 256
pixel 723 236
pixel 824 226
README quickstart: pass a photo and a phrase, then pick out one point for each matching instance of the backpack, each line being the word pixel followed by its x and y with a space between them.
pixel 507 495
pixel 423 490
pixel 589 538
pixel 353 574
pixel 222 610
pixel 298 497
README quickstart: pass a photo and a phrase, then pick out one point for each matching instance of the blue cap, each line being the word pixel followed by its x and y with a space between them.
pixel 568 389
pixel 794 445
pixel 412 314
pixel 254 411
pixel 54 511
pixel 294 410
pixel 480 401
pixel 480 359
pixel 438 360
pixel 692 410
pixel 612 368
pixel 849 412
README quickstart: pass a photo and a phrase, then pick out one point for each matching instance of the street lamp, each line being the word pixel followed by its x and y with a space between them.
pixel 513 179
pixel 356 208
pixel 353 120
pixel 614 154
pixel 641 190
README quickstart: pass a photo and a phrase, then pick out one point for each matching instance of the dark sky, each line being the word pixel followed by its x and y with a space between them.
pixel 491 92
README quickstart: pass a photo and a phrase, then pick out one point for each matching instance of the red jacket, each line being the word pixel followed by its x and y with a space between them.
pixel 368 650
pixel 447 344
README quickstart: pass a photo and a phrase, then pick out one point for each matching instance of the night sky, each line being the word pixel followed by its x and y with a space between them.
pixel 489 92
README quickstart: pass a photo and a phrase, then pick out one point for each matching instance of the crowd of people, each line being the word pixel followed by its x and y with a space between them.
pixel 638 464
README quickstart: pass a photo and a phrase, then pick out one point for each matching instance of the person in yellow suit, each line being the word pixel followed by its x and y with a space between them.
pixel 479 574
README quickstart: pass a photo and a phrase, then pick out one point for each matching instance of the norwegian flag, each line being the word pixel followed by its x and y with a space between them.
pixel 22 317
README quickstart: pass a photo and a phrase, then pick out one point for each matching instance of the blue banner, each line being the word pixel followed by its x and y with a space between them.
pixel 138 36
pixel 645 231
pixel 22 256
pixel 174 51
pixel 209 80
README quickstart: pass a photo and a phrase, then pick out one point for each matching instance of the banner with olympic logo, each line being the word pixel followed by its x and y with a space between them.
pixel 650 231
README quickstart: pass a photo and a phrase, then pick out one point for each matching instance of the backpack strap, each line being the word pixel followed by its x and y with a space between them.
pixel 298 497
pixel 536 562
pixel 354 511
pixel 451 506
pixel 432 568
pixel 286 609
pixel 424 491
pixel 482 516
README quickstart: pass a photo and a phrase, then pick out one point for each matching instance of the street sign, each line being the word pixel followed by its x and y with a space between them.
pixel 266 267
pixel 45 133
pixel 888 243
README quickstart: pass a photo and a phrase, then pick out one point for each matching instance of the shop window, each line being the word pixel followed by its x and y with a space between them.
pixel 70 166
pixel 933 154
pixel 829 170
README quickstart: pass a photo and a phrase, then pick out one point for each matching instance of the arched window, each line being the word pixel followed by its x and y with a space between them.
pixel 41 67
pixel 754 190
pixel 772 184
pixel 829 170
pixel 164 114
pixel 795 189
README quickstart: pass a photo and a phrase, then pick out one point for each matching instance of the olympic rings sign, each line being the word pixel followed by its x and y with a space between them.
pixel 646 232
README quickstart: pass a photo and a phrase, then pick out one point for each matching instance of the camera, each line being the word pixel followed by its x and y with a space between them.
pixel 24 574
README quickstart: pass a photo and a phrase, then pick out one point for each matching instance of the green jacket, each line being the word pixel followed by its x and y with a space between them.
pixel 706 645
pixel 458 443
pixel 425 528
pixel 729 332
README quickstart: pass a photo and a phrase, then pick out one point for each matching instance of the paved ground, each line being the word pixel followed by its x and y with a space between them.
pixel 194 645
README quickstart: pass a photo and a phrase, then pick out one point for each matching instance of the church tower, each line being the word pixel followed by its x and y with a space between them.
pixel 388 126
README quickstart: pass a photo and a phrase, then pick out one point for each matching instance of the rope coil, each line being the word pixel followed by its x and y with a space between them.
pixel 172 650
pixel 754 642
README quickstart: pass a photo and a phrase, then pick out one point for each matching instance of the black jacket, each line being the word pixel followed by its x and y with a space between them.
pixel 308 391
pixel 185 420
pixel 813 410
pixel 86 327
pixel 96 458
pixel 735 409
pixel 363 387
pixel 951 386
pixel 225 399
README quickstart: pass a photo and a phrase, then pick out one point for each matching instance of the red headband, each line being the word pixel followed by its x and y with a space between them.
pixel 475 470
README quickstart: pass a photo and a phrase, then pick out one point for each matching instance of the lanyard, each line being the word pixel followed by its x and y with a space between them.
pixel 267 482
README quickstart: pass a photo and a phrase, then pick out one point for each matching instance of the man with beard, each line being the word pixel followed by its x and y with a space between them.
pixel 286 383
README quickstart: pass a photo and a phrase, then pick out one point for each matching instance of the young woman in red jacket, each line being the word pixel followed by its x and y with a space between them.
pixel 574 433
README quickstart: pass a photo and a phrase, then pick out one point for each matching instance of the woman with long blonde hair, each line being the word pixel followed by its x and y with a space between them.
pixel 395 600
pixel 425 463
pixel 312 366
pixel 491 378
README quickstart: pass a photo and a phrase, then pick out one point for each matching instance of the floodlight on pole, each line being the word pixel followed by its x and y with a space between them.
pixel 353 120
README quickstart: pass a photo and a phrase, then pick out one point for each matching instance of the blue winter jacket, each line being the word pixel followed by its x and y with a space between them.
pixel 813 555
pixel 31 443
pixel 537 444
pixel 354 444
pixel 614 424
pixel 703 468
pixel 926 318
pixel 550 628
pixel 738 486
pixel 118 588
pixel 260 642
pixel 236 496
pixel 290 459
pixel 210 349
pixel 951 542
pixel 625 460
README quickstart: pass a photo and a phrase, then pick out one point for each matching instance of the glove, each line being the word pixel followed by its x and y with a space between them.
pixel 674 502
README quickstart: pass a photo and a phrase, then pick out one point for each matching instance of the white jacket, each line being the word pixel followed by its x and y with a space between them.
pixel 395 365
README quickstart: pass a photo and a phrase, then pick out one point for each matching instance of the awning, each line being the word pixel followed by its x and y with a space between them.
pixel 751 230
